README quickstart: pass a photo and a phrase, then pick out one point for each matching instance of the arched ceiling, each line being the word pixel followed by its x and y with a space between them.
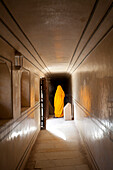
pixel 56 35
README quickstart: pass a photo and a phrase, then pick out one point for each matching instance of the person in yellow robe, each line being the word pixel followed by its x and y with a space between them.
pixel 59 102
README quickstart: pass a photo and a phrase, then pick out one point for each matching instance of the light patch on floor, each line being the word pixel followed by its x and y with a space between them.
pixel 52 128
pixel 58 148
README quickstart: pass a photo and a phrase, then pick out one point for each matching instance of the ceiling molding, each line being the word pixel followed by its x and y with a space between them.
pixel 97 27
pixel 93 48
pixel 22 54
pixel 21 42
pixel 23 32
pixel 89 19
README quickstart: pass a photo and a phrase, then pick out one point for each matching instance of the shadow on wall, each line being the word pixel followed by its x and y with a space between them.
pixel 97 97
pixel 5 91
pixel 85 98
pixel 25 89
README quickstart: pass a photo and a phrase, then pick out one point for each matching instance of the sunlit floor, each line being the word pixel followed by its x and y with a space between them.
pixel 58 148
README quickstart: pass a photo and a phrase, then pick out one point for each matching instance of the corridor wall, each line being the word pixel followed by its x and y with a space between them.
pixel 5 89
pixel 25 89
pixel 92 85
pixel 19 131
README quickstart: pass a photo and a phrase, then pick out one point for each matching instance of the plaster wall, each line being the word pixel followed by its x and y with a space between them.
pixel 92 85
pixel 37 89
pixel 25 89
pixel 18 134
pixel 32 90
pixel 16 93
pixel 5 92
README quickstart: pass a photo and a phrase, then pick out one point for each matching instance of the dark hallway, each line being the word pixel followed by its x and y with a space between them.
pixel 65 81
pixel 43 44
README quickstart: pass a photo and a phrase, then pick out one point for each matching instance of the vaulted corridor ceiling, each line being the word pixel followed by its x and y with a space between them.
pixel 55 35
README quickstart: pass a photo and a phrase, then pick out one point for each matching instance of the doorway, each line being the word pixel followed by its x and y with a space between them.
pixel 48 88
pixel 59 79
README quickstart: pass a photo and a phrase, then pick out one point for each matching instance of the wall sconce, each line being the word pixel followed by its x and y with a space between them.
pixel 18 60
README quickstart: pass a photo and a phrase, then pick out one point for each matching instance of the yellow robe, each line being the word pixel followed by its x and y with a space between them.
pixel 59 102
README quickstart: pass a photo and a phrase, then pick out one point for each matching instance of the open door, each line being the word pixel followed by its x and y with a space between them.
pixel 44 102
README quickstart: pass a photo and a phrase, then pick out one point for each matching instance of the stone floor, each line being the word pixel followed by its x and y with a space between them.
pixel 58 148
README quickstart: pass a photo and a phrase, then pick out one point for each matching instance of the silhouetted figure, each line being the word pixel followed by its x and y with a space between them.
pixel 59 102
